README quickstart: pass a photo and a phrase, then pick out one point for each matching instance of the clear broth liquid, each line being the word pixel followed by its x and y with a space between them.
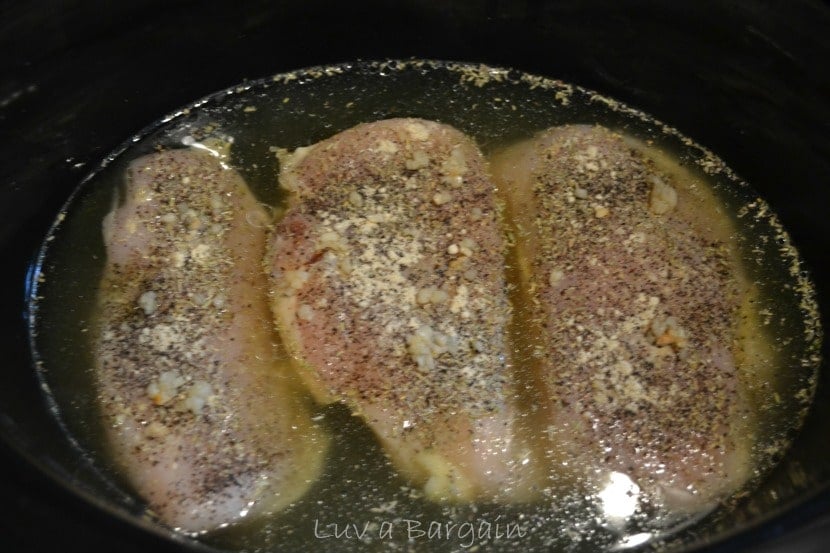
pixel 360 503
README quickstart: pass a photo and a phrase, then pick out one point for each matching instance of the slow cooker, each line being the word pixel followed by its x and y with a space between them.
pixel 748 79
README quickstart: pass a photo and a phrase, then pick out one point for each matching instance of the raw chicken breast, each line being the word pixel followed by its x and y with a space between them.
pixel 388 289
pixel 631 306
pixel 202 413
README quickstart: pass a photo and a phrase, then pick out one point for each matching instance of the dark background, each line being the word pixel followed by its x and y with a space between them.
pixel 747 79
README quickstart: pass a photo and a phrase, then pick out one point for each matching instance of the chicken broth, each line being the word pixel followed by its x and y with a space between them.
pixel 360 502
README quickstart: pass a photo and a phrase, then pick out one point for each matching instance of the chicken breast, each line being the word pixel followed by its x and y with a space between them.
pixel 203 414
pixel 631 305
pixel 389 291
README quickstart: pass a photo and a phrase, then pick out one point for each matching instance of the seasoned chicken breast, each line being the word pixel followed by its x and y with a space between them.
pixel 202 413
pixel 389 291
pixel 631 306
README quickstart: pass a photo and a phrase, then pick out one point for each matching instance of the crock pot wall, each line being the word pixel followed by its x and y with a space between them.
pixel 749 80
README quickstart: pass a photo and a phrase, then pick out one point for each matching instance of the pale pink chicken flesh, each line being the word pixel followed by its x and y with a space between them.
pixel 389 291
pixel 203 414
pixel 631 305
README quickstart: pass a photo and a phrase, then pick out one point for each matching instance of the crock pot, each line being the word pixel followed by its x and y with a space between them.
pixel 749 80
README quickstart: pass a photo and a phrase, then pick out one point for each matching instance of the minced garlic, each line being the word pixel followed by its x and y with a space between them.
pixel 165 387
pixel 425 344
pixel 147 302
pixel 662 198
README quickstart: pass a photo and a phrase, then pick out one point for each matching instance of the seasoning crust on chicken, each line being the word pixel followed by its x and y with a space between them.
pixel 632 303
pixel 388 289
pixel 202 412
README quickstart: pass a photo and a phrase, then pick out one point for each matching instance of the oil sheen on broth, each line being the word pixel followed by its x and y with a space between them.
pixel 360 502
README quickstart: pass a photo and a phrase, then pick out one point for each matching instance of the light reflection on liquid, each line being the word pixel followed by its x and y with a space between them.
pixel 618 499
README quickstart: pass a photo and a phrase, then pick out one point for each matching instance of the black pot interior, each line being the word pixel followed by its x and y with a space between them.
pixel 749 80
